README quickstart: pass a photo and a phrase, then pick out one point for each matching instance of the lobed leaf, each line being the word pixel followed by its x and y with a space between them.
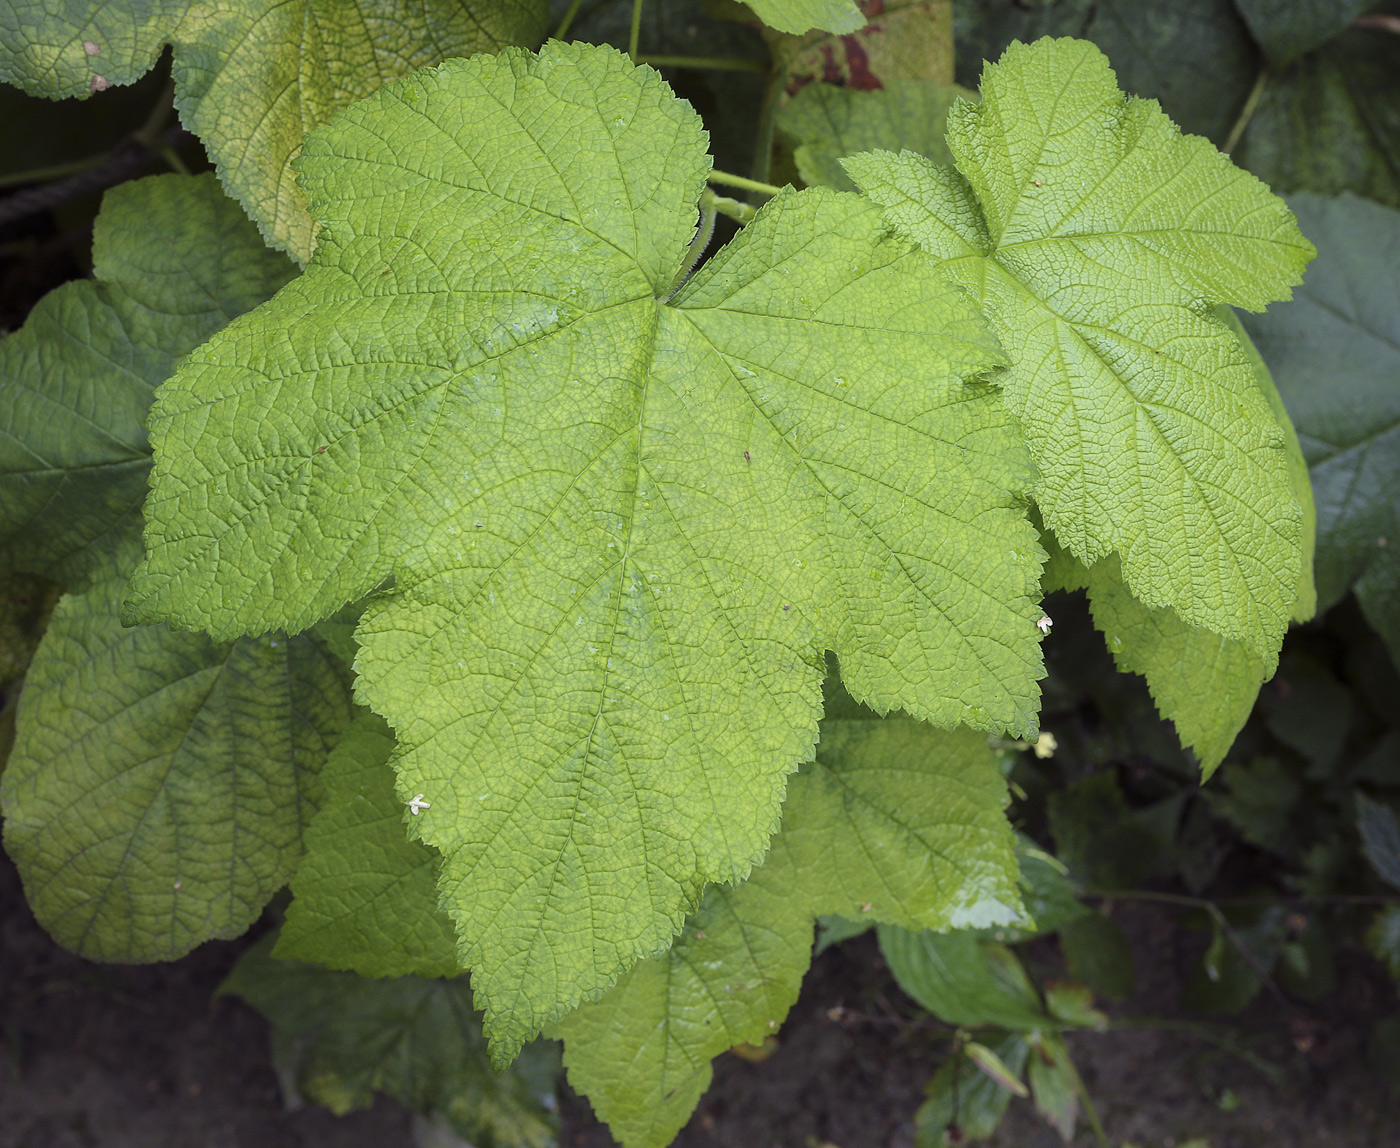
pixel 160 781
pixel 621 525
pixel 895 822
pixel 174 260
pixel 252 77
pixel 1097 238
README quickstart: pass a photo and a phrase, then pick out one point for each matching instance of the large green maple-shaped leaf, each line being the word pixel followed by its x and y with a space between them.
pixel 895 822
pixel 1097 238
pixel 1335 354
pixel 252 77
pixel 159 781
pixel 364 897
pixel 342 1038
pixel 622 526
pixel 174 260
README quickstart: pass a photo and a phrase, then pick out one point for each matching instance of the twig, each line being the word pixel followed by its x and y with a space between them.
pixel 1266 1068
pixel 1380 23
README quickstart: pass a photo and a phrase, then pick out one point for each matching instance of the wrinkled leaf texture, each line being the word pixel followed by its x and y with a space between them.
pixel 622 526
pixel 1097 237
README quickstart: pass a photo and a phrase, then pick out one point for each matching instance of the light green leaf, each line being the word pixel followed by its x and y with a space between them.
pixel 1204 684
pixel 364 895
pixel 902 40
pixel 341 1038
pixel 959 1094
pixel 991 1064
pixel 622 526
pixel 252 77
pixel 963 980
pixel 830 122
pixel 160 781
pixel 798 16
pixel 174 260
pixel 1055 1083
pixel 895 822
pixel 1286 29
pixel 1097 237
pixel 1330 123
pixel 1335 354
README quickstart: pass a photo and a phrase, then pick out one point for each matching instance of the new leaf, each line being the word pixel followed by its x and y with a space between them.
pixel 1098 237
pixel 621 526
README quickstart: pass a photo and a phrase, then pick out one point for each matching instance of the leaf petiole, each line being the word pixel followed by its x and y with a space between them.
pixel 567 22
pixel 634 38
pixel 723 177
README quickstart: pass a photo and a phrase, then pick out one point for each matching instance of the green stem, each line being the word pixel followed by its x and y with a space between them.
pixel 1247 112
pixel 171 157
pixel 1091 1114
pixel 767 123
pixel 707 63
pixel 693 254
pixel 741 213
pixel 723 177
pixel 564 24
pixel 634 39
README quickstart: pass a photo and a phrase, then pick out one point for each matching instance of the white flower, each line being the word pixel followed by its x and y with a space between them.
pixel 418 804
pixel 1045 623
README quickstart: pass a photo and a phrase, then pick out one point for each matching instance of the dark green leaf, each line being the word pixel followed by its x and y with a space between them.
pixel 1195 56
pixel 962 980
pixel 1098 953
pixel 1286 29
pixel 342 1038
pixel 1335 355
pixel 1380 837
pixel 1330 122
pixel 975 1103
